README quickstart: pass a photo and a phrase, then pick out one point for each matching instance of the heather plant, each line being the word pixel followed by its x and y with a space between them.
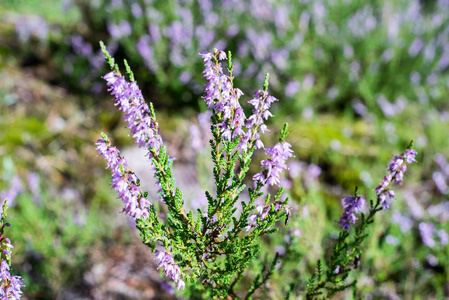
pixel 211 249
pixel 347 256
pixel 216 245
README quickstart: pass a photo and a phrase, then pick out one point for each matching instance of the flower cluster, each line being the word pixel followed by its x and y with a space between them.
pixel 171 269
pixel 396 170
pixel 261 102
pixel 124 181
pixel 352 205
pixel 129 99
pixel 275 164
pixel 224 99
pixel 200 134
pixel 222 96
pixel 10 286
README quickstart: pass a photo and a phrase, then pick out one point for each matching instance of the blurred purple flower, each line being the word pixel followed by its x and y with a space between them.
pixel 280 250
pixel 415 77
pixel 405 223
pixel 232 30
pixel 295 168
pixel 313 171
pixel 440 182
pixel 359 107
pixel 443 63
pixel 168 288
pixel 292 88
pixel 432 79
pixel 415 47
pixel 444 237
pixel 136 10
pixel 429 52
pixel 348 51
pixel 389 109
pixel 427 232
pixel 205 37
pixel 11 194
pixel 145 50
pixel 200 134
pixel 123 29
pixel 80 46
pixel 392 240
pixel 280 58
pixel 33 185
pixel 31 25
pixel 308 82
pixel 442 162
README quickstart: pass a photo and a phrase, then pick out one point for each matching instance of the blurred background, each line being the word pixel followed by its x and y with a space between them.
pixel 356 80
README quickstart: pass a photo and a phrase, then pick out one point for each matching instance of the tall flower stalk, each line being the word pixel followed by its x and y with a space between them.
pixel 216 245
pixel 346 256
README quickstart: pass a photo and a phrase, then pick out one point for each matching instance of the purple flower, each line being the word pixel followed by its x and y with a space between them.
pixel 337 270
pixel 409 155
pixel 396 170
pixel 147 53
pixel 274 165
pixel 427 232
pixel 415 47
pixel 124 181
pixel 136 10
pixel 10 286
pixel 222 97
pixel 405 223
pixel 444 237
pixel 252 218
pixel 121 30
pixel 129 99
pixel 255 123
pixel 15 189
pixel 352 205
pixel 172 270
pixel 264 214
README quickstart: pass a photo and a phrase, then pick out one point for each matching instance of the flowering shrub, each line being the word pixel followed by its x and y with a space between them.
pixel 215 246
